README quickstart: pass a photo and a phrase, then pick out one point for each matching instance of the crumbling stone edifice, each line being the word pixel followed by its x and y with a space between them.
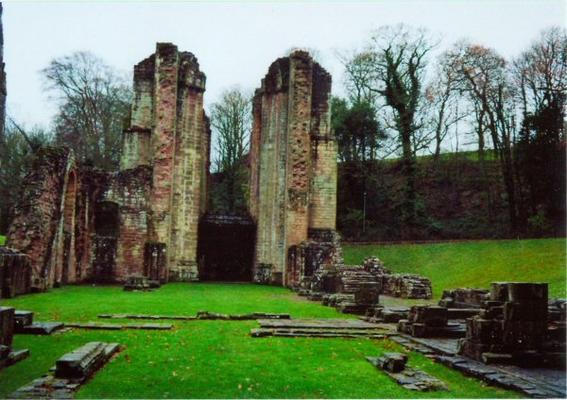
pixel 77 223
pixel 293 163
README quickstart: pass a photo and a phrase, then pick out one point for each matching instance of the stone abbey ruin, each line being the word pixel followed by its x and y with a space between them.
pixel 149 224
pixel 79 224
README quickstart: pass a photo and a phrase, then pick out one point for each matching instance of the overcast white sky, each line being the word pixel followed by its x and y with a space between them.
pixel 235 42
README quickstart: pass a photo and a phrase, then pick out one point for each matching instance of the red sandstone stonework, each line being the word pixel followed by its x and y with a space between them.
pixel 293 175
pixel 77 223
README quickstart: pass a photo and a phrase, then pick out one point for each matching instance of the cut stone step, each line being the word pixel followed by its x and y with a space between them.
pixel 332 323
pixel 69 372
pixel 116 327
pixel 41 328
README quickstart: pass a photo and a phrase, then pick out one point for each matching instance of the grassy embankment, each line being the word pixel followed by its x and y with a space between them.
pixel 474 264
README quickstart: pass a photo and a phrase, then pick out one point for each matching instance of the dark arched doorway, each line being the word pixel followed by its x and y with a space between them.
pixel 226 247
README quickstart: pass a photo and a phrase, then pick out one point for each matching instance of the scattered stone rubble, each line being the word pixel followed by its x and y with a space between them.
pixel 512 327
pixel 463 298
pixel 140 283
pixel 15 273
pixel 384 314
pixel 70 371
pixel 428 321
pixel 8 355
pixel 356 289
pixel 535 383
pixel 407 286
pixel 394 365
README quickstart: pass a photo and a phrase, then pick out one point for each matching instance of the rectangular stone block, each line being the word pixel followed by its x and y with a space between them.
pixel 6 326
pixel 82 362
pixel 22 318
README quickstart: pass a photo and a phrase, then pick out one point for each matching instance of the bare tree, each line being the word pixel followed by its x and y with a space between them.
pixel 484 79
pixel 17 152
pixel 541 71
pixel 359 76
pixel 442 96
pixel 94 103
pixel 231 119
pixel 540 74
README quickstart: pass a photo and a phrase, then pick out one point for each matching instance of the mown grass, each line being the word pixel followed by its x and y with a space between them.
pixel 474 264
pixel 216 359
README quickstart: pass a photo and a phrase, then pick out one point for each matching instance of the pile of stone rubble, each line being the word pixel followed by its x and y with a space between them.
pixel 513 327
pixel 356 289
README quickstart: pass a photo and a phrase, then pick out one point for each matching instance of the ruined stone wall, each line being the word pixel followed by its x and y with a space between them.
pixel 129 190
pixel 323 199
pixel 38 227
pixel 292 159
pixel 169 131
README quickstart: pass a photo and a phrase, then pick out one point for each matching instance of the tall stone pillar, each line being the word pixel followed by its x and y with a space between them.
pixel 323 196
pixel 163 141
pixel 292 161
pixel 136 139
pixel 298 148
pixel 190 170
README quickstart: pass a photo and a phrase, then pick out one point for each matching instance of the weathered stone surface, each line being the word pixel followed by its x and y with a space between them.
pixel 512 327
pixel 430 321
pixel 22 318
pixel 200 315
pixel 79 224
pixel 41 328
pixel 141 283
pixel 408 286
pixel 117 327
pixel 293 173
pixel 6 326
pixel 387 314
pixel 8 355
pixel 393 362
pixel 327 327
pixel 70 371
pixel 463 298
pixel 15 272
pixel 330 323
pixel 318 333
pixel 237 317
pixel 394 365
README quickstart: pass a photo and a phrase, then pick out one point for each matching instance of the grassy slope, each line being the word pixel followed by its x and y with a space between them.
pixel 215 359
pixel 474 264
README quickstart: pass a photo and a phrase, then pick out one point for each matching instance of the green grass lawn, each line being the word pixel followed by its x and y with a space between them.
pixel 215 359
pixel 474 264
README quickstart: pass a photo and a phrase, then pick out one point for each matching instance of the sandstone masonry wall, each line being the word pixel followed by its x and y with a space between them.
pixel 292 160
pixel 77 223
pixel 169 131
